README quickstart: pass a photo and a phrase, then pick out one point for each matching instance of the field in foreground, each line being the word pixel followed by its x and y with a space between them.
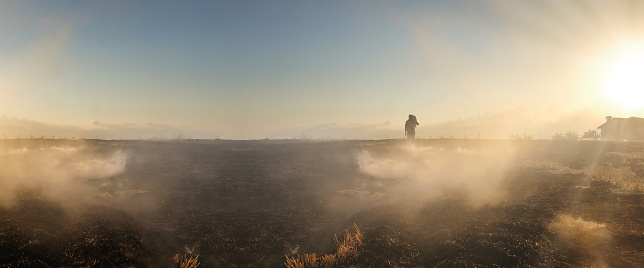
pixel 423 203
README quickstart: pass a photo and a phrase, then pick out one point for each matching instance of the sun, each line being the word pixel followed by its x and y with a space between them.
pixel 624 81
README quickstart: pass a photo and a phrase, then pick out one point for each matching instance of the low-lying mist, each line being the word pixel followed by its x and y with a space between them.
pixel 74 172
pixel 411 172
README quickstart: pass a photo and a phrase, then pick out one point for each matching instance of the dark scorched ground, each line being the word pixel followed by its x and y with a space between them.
pixel 250 203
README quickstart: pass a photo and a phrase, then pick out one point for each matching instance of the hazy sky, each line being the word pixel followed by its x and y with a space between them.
pixel 246 68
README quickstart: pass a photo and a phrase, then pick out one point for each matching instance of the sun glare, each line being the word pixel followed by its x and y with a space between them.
pixel 624 81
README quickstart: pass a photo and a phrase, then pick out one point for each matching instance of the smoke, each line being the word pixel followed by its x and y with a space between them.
pixel 586 237
pixel 69 173
pixel 99 168
pixel 425 173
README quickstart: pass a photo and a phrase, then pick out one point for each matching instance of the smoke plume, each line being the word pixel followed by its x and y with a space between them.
pixel 413 171
pixel 69 173
pixel 586 237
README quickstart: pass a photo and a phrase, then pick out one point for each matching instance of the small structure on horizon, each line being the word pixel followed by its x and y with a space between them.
pixel 619 129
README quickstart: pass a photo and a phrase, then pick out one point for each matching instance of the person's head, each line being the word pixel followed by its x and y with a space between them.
pixel 411 116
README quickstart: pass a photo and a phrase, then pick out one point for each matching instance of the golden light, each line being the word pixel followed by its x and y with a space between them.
pixel 624 81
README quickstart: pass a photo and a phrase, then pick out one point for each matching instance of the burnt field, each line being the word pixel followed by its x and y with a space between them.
pixel 423 203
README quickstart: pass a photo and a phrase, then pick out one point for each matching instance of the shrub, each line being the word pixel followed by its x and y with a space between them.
pixel 570 135
pixel 591 134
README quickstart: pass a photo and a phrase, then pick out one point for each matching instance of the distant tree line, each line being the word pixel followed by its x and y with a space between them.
pixel 591 134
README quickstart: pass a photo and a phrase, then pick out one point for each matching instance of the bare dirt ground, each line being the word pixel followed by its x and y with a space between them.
pixel 423 203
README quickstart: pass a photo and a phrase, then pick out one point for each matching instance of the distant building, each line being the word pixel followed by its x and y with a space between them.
pixel 619 129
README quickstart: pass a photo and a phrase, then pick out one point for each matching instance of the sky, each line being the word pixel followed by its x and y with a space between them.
pixel 320 69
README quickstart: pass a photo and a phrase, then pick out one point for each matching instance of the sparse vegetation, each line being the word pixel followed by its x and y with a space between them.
pixel 550 166
pixel 347 247
pixel 186 261
pixel 591 134
pixel 570 135
pixel 622 177
pixel 519 137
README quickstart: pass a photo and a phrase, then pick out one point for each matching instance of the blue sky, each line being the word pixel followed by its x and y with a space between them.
pixel 242 69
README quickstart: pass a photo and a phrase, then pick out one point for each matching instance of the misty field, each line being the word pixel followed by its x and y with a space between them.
pixel 390 203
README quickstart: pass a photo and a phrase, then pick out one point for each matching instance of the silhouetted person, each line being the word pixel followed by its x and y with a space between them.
pixel 410 127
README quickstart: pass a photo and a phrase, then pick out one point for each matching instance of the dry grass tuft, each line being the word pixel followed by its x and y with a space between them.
pixel 185 261
pixel 328 260
pixel 551 166
pixel 349 244
pixel 348 247
pixel 622 177
pixel 308 260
